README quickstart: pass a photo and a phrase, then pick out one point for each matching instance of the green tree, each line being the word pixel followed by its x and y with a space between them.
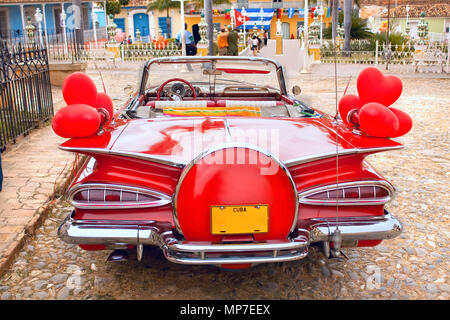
pixel 162 5
pixel 199 4
pixel 359 28
pixel 112 6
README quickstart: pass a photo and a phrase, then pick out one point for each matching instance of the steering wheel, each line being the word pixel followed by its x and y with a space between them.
pixel 158 94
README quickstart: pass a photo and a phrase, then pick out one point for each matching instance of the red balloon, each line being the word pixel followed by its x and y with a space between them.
pixel 78 88
pixel 374 86
pixel 405 122
pixel 378 121
pixel 76 121
pixel 105 102
pixel 348 103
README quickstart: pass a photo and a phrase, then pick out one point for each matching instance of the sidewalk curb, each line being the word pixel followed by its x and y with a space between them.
pixel 37 220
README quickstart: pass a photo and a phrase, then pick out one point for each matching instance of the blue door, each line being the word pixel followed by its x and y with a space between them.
pixel 120 22
pixel 165 26
pixel 141 22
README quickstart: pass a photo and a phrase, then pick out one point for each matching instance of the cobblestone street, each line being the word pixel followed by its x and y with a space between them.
pixel 412 266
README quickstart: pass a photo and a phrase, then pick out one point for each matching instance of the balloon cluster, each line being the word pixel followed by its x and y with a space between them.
pixel 160 42
pixel 86 111
pixel 370 111
pixel 120 35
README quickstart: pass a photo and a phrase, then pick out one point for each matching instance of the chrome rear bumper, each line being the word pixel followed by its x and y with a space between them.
pixel 357 228
pixel 115 234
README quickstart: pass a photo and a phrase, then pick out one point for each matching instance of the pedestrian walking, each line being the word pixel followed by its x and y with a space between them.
pixel 222 42
pixel 196 33
pixel 233 38
pixel 254 45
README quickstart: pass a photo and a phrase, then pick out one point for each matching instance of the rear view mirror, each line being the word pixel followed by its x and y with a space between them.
pixel 296 90
pixel 128 90
pixel 212 72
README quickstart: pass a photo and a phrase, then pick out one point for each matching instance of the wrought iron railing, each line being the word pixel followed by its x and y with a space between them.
pixel 25 89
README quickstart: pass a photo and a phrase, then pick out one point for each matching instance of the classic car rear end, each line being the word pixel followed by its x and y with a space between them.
pixel 254 176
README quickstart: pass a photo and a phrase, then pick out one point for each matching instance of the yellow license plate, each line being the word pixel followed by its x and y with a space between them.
pixel 239 219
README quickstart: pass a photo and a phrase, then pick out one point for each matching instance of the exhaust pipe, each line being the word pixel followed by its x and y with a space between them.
pixel 118 256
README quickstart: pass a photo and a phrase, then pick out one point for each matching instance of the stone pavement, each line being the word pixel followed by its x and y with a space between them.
pixel 35 171
pixel 30 168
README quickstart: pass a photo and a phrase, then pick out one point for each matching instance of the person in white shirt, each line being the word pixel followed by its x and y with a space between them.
pixel 254 45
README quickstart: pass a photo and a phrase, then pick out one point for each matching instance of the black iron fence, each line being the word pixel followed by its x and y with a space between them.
pixel 25 89
pixel 61 46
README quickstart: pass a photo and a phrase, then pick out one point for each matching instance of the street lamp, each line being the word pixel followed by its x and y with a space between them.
pixel 261 14
pixel 38 17
pixel 306 40
pixel 407 29
pixel 244 14
pixel 233 17
pixel 320 13
pixel 63 17
pixel 29 29
pixel 94 25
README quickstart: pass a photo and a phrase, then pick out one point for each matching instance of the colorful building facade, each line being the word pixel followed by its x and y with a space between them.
pixel 403 12
pixel 134 17
pixel 14 15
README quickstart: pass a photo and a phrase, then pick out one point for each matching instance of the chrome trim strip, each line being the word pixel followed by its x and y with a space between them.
pixel 226 146
pixel 294 162
pixel 85 150
pixel 227 130
pixel 164 199
pixel 237 259
pixel 303 196
pixel 153 158
pixel 187 59
pixel 280 245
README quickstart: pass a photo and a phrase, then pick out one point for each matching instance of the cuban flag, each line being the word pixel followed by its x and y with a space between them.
pixel 255 16
pixel 290 13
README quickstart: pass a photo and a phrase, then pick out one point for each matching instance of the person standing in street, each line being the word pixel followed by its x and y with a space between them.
pixel 233 38
pixel 222 42
pixel 190 47
pixel 254 45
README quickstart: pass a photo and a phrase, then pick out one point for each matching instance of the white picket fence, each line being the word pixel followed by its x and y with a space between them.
pixel 145 51
pixel 410 53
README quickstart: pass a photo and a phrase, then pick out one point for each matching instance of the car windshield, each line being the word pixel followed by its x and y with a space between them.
pixel 216 75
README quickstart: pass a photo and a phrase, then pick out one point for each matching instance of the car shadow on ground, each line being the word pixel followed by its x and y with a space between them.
pixel 154 277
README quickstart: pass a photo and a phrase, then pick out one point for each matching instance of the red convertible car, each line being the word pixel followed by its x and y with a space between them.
pixel 221 166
